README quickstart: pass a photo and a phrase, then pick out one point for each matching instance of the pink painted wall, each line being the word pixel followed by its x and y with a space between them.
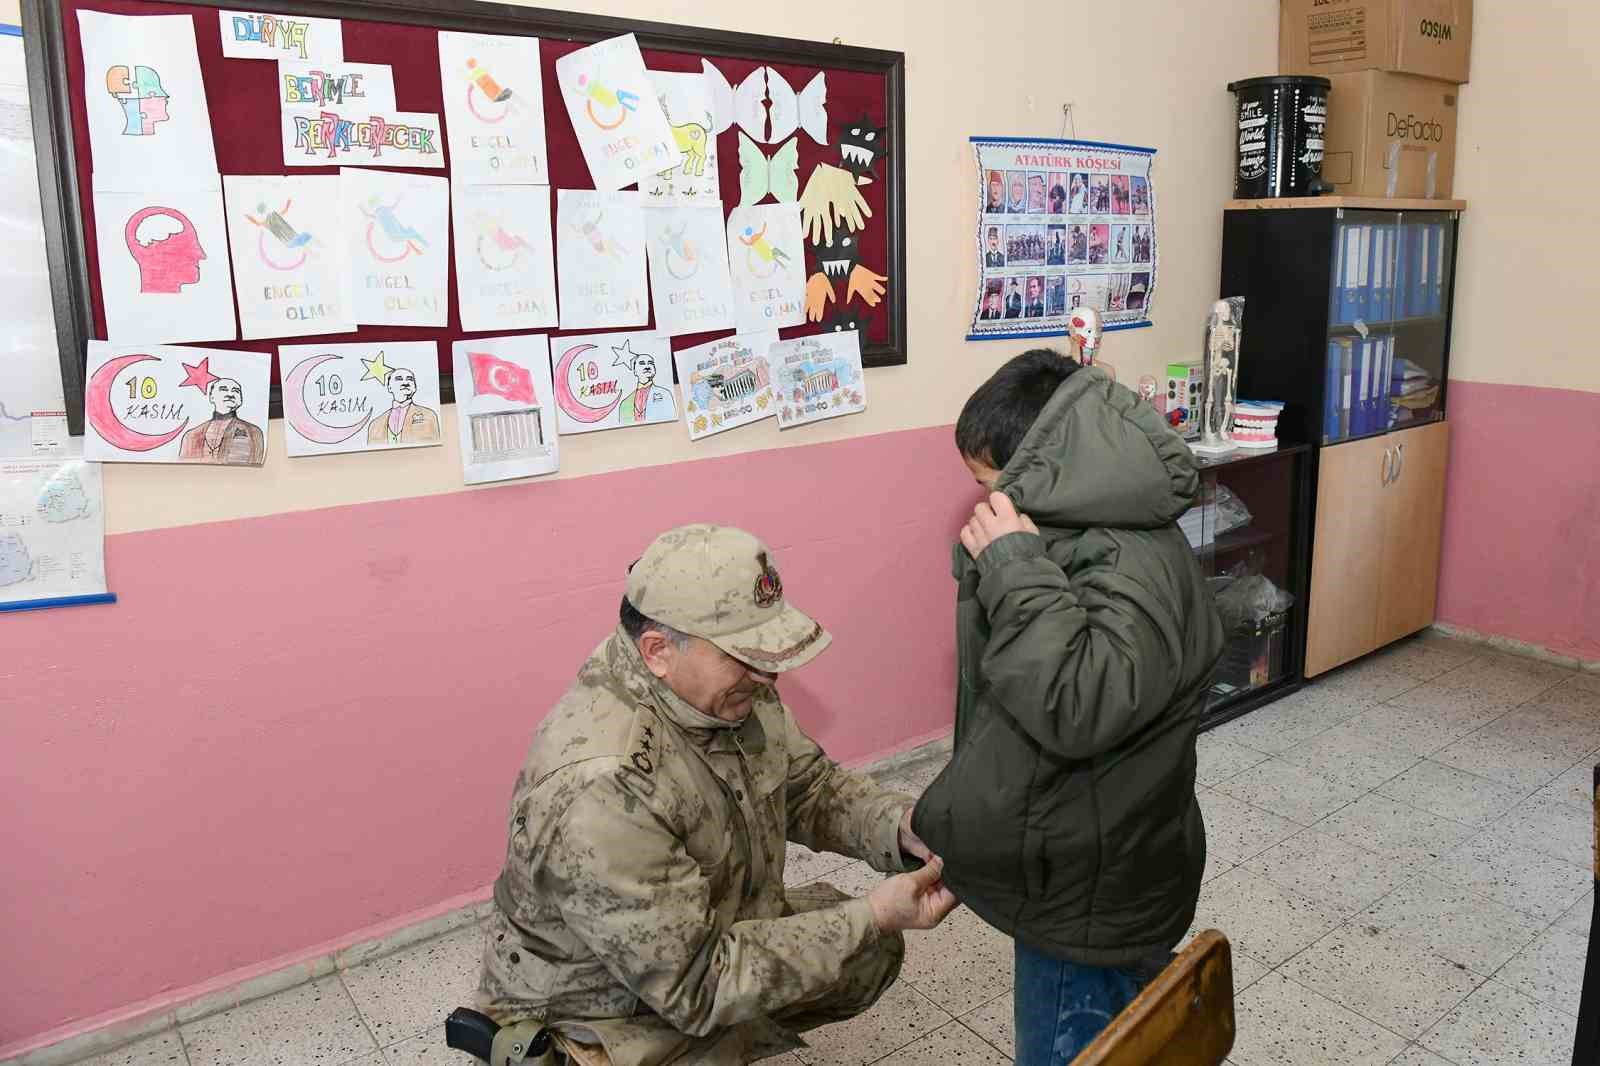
pixel 1521 552
pixel 295 727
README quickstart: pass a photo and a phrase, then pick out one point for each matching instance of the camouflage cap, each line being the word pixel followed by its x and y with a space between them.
pixel 719 583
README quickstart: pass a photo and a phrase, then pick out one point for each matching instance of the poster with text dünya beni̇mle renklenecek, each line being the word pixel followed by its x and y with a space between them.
pixel 1061 225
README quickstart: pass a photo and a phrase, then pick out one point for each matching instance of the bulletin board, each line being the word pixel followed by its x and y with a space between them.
pixel 863 85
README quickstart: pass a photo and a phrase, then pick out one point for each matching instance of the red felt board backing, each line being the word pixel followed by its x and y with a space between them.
pixel 243 99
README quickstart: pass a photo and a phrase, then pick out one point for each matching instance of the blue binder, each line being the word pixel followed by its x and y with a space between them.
pixel 1405 272
pixel 1336 289
pixel 1361 283
pixel 1436 303
pixel 1358 394
pixel 1377 305
pixel 1338 355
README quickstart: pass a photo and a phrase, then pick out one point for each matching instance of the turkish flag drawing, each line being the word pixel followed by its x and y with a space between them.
pixel 494 376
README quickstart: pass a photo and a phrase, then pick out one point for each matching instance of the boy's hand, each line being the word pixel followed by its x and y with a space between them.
pixel 992 519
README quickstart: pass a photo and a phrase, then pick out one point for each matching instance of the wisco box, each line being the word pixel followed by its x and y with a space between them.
pixel 1390 135
pixel 1430 38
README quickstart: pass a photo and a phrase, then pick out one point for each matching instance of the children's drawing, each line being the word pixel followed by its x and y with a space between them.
pixel 505 407
pixel 505 267
pixel 493 108
pixel 165 404
pixel 726 383
pixel 686 101
pixel 286 266
pixel 607 380
pixel 355 136
pixel 817 377
pixel 360 397
pixel 164 264
pixel 52 531
pixel 624 134
pixel 396 241
pixel 760 176
pixel 601 259
pixel 255 35
pixel 144 99
pixel 317 84
pixel 766 257
pixel 689 279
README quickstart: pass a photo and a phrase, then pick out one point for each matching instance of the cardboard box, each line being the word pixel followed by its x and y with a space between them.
pixel 1429 38
pixel 1390 135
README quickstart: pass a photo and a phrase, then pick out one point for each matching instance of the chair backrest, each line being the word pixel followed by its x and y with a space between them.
pixel 1182 1018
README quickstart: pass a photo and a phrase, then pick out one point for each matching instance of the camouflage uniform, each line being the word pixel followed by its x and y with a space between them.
pixel 642 904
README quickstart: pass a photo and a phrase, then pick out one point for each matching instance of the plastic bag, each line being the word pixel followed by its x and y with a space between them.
pixel 1246 598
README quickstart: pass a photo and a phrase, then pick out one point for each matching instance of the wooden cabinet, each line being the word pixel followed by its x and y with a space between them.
pixel 1375 556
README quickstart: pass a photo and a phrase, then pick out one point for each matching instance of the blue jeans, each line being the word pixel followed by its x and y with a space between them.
pixel 1062 1006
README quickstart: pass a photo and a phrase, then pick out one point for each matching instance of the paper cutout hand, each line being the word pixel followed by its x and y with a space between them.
pixel 865 284
pixel 819 294
pixel 831 198
pixel 759 175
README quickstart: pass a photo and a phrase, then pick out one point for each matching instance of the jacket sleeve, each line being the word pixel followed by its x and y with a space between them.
pixel 626 886
pixel 1080 663
pixel 834 809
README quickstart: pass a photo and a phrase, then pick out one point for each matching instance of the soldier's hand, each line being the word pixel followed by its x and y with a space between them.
pixel 917 900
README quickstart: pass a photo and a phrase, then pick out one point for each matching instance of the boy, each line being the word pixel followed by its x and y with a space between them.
pixel 1085 638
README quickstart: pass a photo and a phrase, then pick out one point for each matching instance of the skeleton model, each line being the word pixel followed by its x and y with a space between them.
pixel 1085 330
pixel 1223 331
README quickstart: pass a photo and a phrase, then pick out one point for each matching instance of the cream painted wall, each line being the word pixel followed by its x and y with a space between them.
pixel 1158 79
pixel 1525 286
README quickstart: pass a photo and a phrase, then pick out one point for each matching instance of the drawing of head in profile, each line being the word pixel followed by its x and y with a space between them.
pixel 760 257
pixel 406 422
pixel 224 439
pixel 388 239
pixel 481 86
pixel 143 100
pixel 164 244
pixel 498 248
pixel 677 253
pixel 599 243
pixel 647 400
pixel 289 247
pixel 615 104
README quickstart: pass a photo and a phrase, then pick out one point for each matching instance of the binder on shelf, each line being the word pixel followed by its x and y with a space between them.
pixel 1358 406
pixel 1361 291
pixel 1436 302
pixel 1336 290
pixel 1386 404
pixel 1378 273
pixel 1347 375
pixel 1421 297
pixel 1351 279
pixel 1405 267
pixel 1338 357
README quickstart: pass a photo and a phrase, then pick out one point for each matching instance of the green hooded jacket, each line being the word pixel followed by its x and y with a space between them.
pixel 1067 815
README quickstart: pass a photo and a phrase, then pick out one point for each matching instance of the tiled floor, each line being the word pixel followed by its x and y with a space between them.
pixel 1400 855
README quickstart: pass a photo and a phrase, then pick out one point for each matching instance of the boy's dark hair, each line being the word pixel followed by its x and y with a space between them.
pixel 999 414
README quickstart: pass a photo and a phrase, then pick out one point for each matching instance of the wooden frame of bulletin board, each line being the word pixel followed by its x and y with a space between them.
pixel 863 84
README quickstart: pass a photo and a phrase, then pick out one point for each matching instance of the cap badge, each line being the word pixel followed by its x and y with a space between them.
pixel 769 587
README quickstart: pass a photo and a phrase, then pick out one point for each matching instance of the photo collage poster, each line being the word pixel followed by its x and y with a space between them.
pixel 1061 225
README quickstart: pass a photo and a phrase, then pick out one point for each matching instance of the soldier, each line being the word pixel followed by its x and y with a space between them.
pixel 641 915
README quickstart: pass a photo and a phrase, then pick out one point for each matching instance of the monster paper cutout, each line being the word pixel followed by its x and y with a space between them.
pixel 164 273
pixel 689 279
pixel 760 176
pixel 624 135
pixel 766 257
pixel 493 109
pixel 726 383
pixel 144 101
pixel 848 318
pixel 287 266
pixel 819 294
pixel 818 377
pixel 304 85
pixel 505 405
pixel 360 397
pixel 686 101
pixel 396 232
pixel 611 380
pixel 253 35
pixel 861 144
pixel 505 263
pixel 600 265
pixel 161 404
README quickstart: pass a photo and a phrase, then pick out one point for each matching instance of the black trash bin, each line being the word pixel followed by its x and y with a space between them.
pixel 1281 124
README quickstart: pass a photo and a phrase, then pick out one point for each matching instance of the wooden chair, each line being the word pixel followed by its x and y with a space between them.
pixel 1182 1018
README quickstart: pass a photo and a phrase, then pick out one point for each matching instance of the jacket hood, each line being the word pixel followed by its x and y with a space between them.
pixel 1098 456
